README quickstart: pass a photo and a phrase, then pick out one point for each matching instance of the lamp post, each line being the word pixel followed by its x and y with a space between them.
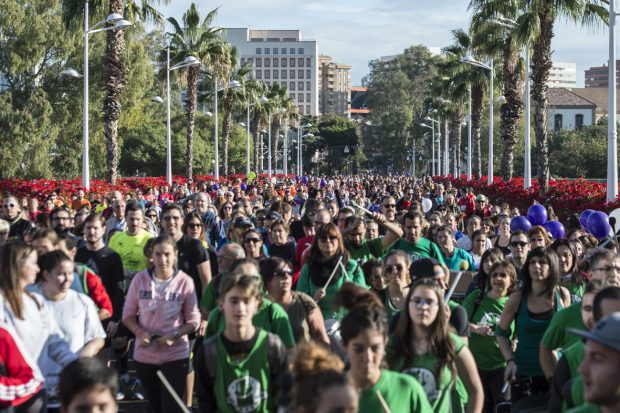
pixel 300 137
pixel 117 23
pixel 285 154
pixel 612 144
pixel 424 125
pixel 469 137
pixel 438 122
pixel 262 100
pixel 233 84
pixel 471 61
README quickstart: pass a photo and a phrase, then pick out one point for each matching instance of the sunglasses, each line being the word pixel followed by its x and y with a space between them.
pixel 194 226
pixel 389 206
pixel 252 240
pixel 9 205
pixel 394 268
pixel 326 238
pixel 152 216
pixel 283 273
pixel 518 244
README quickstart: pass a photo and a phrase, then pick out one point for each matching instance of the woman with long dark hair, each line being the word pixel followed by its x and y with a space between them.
pixel 328 267
pixel 570 275
pixel 424 346
pixel 531 309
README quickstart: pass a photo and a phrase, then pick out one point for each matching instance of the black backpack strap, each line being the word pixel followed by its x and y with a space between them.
pixel 477 303
pixel 210 352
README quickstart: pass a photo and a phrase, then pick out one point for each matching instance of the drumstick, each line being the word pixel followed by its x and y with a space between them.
pixel 333 272
pixel 453 284
pixel 174 394
pixel 386 409
pixel 355 204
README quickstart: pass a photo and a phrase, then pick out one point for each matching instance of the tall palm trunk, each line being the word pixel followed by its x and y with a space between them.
pixel 228 109
pixel 477 94
pixel 541 67
pixel 255 130
pixel 455 141
pixel 275 140
pixel 115 69
pixel 190 108
pixel 511 110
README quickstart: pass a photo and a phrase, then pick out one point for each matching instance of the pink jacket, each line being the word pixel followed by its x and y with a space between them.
pixel 160 314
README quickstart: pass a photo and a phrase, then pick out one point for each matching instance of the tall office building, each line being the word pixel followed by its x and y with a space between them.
pixel 563 75
pixel 598 76
pixel 334 87
pixel 284 57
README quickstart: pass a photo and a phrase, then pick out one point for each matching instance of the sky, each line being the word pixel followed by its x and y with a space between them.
pixel 355 32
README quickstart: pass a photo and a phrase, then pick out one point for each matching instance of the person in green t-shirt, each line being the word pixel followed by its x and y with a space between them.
pixel 424 347
pixel 364 336
pixel 570 275
pixel 361 249
pixel 396 270
pixel 239 369
pixel 483 312
pixel 413 243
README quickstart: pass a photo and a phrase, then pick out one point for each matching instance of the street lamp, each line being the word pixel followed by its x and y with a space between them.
pixel 233 85
pixel 187 62
pixel 429 119
pixel 261 100
pixel 527 166
pixel 612 144
pixel 467 59
pixel 424 125
pixel 300 137
pixel 115 22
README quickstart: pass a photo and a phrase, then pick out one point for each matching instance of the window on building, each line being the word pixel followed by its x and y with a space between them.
pixel 301 109
pixel 308 109
pixel 276 62
pixel 292 74
pixel 267 50
pixel 308 86
pixel 300 98
pixel 292 96
pixel 259 50
pixel 291 62
pixel 267 62
pixel 259 74
pixel 579 121
pixel 300 50
pixel 300 74
pixel 275 74
pixel 242 61
pixel 284 62
pixel 283 50
pixel 284 74
pixel 267 74
pixel 300 85
pixel 284 85
pixel 308 74
pixel 557 122
pixel 259 62
pixel 300 62
pixel 308 62
pixel 308 97
pixel 276 50
pixel 292 86
pixel 250 61
pixel 291 50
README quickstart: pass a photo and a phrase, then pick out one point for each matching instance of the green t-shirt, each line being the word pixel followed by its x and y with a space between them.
pixel 270 317
pixel 208 301
pixel 421 249
pixel 585 408
pixel 131 249
pixel 439 390
pixel 576 290
pixel 556 336
pixel 485 348
pixel 454 262
pixel 401 393
pixel 367 250
pixel 575 354
pixel 243 385
pixel 305 285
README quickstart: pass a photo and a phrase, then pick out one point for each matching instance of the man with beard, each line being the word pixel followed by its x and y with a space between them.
pixel 62 223
pixel 388 209
pixel 12 212
pixel 361 249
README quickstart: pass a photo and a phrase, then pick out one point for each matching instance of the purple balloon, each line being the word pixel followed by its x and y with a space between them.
pixel 555 228
pixel 520 223
pixel 583 218
pixel 243 187
pixel 297 178
pixel 598 224
pixel 323 183
pixel 537 214
pixel 215 187
pixel 304 180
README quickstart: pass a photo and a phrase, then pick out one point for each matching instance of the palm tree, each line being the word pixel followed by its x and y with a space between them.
pixel 254 90
pixel 278 99
pixel 201 40
pixel 482 23
pixel 536 22
pixel 238 74
pixel 114 62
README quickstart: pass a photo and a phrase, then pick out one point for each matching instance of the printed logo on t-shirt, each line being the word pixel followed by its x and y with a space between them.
pixel 489 319
pixel 414 256
pixel 245 394
pixel 427 379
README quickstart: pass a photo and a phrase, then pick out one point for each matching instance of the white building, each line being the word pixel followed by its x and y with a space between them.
pixel 567 110
pixel 284 57
pixel 563 75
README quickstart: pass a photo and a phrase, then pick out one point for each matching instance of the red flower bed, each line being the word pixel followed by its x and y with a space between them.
pixel 566 197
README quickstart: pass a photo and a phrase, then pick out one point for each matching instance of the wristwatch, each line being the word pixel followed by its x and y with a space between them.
pixel 176 335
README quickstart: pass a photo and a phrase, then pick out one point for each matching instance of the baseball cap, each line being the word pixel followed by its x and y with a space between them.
pixel 273 216
pixel 605 332
pixel 481 197
pixel 241 222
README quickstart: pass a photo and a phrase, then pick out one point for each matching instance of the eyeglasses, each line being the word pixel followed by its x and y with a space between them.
pixel 394 268
pixel 326 238
pixel 421 302
pixel 389 206
pixel 518 244
pixel 252 240
pixel 283 273
pixel 194 226
pixel 607 269
pixel 152 216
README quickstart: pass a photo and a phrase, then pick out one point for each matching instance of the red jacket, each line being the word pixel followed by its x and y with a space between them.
pixel 94 288
pixel 469 203
pixel 19 379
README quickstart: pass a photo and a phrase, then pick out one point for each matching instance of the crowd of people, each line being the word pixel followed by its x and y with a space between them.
pixel 353 294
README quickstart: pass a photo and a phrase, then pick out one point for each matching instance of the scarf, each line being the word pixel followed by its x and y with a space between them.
pixel 321 268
